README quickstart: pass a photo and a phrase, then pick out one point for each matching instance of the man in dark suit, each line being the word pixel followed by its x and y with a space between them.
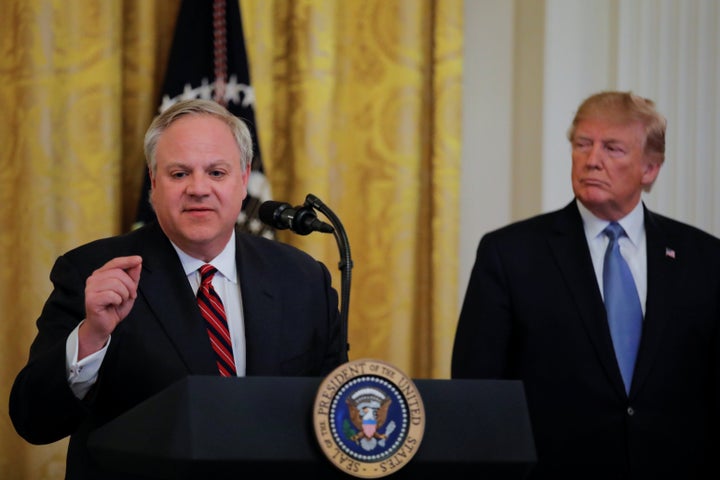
pixel 123 323
pixel 534 310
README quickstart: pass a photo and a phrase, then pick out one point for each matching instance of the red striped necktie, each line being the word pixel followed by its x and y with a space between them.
pixel 213 312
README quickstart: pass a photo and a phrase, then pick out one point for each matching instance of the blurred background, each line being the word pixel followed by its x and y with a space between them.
pixel 421 123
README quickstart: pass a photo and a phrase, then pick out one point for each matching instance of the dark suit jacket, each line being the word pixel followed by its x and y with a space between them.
pixel 292 328
pixel 533 311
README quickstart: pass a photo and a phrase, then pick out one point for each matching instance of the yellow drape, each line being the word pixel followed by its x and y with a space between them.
pixel 357 102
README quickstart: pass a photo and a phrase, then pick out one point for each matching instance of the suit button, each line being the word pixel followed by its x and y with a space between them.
pixel 630 411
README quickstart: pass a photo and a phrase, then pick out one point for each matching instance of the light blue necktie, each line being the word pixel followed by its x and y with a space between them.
pixel 622 304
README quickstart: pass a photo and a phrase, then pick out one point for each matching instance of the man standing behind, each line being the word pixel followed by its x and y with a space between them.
pixel 617 388
pixel 123 321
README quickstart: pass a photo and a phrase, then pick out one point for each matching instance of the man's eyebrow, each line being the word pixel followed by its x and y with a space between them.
pixel 617 141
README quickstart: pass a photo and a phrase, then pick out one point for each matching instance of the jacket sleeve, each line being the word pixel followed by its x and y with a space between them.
pixel 42 407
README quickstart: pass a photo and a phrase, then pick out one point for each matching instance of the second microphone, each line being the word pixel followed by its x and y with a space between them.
pixel 301 219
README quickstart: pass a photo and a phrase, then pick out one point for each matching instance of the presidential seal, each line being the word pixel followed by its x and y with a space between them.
pixel 369 418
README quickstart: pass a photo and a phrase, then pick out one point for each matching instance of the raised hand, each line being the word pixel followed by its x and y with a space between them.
pixel 110 293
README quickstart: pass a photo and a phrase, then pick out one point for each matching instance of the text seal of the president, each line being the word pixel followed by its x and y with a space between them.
pixel 369 418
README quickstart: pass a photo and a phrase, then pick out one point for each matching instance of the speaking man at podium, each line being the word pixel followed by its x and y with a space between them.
pixel 188 295
pixel 608 312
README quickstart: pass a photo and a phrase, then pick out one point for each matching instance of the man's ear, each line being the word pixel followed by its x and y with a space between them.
pixel 152 178
pixel 651 169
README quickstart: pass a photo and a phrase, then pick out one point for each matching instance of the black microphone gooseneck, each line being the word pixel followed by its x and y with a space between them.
pixel 303 220
pixel 345 265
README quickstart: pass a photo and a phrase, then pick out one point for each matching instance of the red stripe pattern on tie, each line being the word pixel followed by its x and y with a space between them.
pixel 212 310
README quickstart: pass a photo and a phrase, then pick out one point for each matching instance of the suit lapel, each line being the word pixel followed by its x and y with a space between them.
pixel 165 288
pixel 661 263
pixel 262 306
pixel 569 247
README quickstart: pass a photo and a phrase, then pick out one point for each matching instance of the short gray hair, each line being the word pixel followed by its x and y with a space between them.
pixel 238 127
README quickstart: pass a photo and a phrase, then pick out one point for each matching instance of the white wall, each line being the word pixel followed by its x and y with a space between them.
pixel 487 88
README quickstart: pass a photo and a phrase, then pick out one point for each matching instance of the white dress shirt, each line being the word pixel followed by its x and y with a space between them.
pixel 632 247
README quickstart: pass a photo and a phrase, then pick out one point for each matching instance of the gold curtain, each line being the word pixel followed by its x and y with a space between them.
pixel 357 102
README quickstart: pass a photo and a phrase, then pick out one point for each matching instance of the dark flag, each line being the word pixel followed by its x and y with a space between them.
pixel 208 60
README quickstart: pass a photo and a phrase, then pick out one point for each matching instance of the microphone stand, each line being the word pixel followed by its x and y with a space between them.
pixel 345 265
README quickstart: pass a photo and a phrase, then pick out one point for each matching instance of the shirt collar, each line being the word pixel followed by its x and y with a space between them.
pixel 224 262
pixel 632 223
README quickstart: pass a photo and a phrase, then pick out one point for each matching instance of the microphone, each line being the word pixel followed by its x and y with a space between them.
pixel 301 219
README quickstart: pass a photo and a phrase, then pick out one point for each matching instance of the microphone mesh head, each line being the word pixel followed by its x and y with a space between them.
pixel 269 213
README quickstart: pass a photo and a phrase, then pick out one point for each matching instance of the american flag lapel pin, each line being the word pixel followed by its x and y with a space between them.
pixel 669 252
